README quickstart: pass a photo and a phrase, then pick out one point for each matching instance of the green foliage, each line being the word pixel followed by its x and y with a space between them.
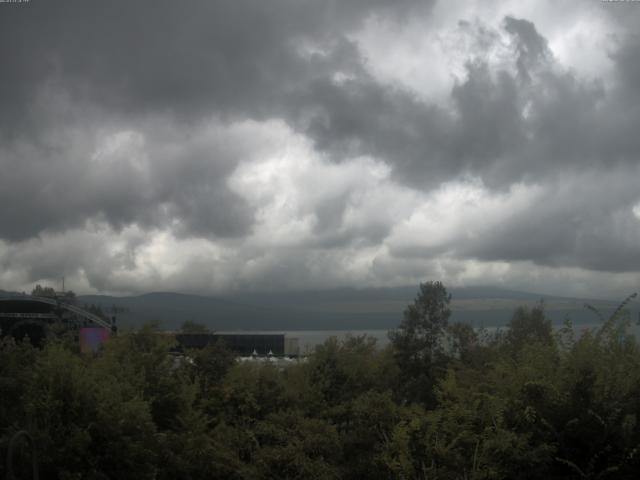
pixel 529 326
pixel 457 404
pixel 343 370
pixel 465 343
pixel 208 368
pixel 419 342
pixel 86 421
pixel 291 446
pixel 425 322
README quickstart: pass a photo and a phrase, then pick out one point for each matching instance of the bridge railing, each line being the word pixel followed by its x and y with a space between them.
pixel 67 306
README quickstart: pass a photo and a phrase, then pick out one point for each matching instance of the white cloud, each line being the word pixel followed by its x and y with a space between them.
pixel 456 213
pixel 428 54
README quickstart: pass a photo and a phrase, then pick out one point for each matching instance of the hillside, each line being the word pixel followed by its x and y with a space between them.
pixel 365 309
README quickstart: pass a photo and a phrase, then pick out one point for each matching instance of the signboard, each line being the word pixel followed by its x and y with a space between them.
pixel 92 338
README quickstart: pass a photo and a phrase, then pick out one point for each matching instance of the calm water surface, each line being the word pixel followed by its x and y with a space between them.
pixel 308 339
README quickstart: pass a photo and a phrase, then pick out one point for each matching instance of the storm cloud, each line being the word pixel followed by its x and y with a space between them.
pixel 221 145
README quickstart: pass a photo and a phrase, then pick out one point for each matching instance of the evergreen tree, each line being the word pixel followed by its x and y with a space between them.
pixel 419 341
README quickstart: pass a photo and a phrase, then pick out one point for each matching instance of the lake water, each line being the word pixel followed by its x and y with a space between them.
pixel 308 339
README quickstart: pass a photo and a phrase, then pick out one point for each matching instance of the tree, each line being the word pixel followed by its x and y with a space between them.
pixel 529 326
pixel 464 342
pixel 87 423
pixel 342 370
pixel 212 363
pixel 40 291
pixel 418 341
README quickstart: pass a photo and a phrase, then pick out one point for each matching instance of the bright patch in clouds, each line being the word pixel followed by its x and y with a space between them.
pixel 429 56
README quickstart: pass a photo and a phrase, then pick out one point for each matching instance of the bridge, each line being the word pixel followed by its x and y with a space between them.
pixel 20 312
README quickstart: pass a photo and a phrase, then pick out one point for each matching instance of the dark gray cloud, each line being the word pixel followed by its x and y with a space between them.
pixel 586 222
pixel 530 47
pixel 197 56
pixel 247 60
pixel 137 115
pixel 152 181
pixel 121 63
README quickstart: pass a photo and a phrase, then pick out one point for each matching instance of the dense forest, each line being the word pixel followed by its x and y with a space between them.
pixel 442 401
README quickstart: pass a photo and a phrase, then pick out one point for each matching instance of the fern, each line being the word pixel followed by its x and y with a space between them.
pixel 609 323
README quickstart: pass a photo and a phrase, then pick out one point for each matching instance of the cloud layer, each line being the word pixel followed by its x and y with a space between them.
pixel 225 145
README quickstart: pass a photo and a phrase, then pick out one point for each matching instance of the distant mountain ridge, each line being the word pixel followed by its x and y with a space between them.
pixel 335 309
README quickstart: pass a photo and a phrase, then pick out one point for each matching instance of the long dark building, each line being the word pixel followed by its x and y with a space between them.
pixel 242 344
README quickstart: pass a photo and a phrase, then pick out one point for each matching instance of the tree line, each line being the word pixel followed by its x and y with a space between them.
pixel 441 401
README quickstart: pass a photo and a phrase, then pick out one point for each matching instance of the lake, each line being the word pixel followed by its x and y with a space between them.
pixel 308 339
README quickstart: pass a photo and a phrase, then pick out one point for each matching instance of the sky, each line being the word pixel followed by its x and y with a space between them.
pixel 214 146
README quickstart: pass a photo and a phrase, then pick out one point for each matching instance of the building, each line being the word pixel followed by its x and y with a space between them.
pixel 33 316
pixel 243 344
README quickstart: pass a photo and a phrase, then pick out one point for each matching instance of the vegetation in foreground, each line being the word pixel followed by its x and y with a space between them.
pixel 441 402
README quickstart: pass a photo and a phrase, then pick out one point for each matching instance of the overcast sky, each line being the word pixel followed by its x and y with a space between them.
pixel 210 146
